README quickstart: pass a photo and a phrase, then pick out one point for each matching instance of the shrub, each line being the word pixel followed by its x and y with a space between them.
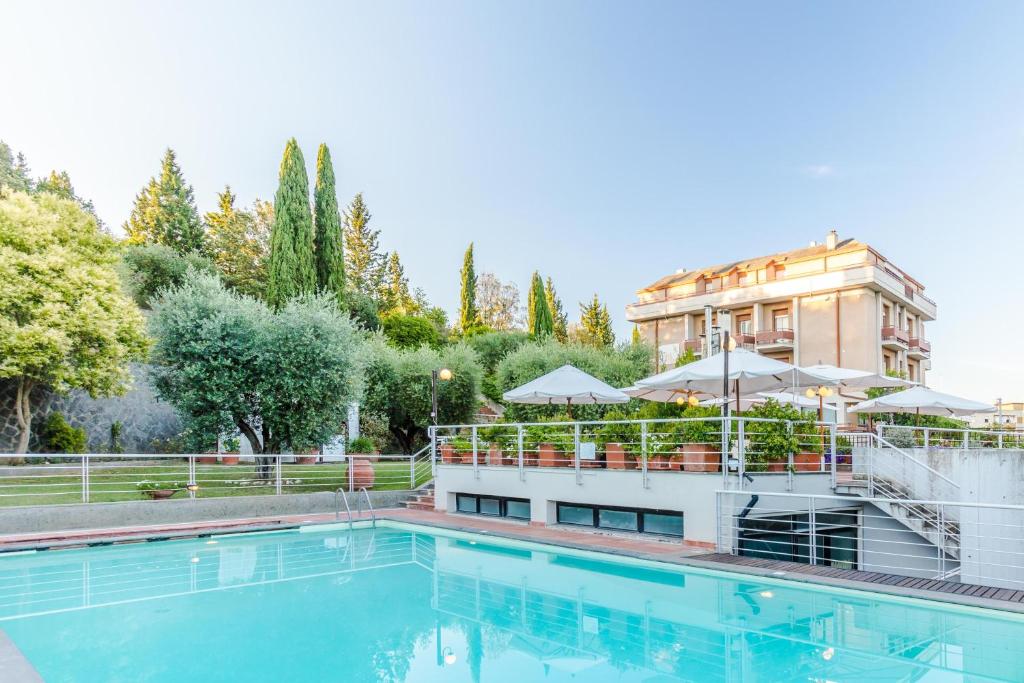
pixel 59 437
pixel 771 441
pixel 361 444
pixel 410 331
pixel 116 428
pixel 148 269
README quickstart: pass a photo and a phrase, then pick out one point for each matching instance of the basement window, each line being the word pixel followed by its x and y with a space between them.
pixel 662 522
pixel 492 506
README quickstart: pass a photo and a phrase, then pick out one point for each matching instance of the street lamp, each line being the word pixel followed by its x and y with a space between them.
pixel 822 392
pixel 690 399
pixel 443 375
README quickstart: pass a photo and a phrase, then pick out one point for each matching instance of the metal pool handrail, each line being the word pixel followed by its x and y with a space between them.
pixel 337 508
pixel 359 507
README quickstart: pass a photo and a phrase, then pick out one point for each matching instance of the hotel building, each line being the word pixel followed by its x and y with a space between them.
pixel 839 302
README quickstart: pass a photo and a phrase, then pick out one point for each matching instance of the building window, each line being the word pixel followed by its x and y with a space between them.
pixel 662 522
pixel 744 326
pixel 780 320
pixel 492 506
pixel 787 538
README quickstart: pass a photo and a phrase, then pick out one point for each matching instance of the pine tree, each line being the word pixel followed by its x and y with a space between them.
pixel 165 212
pixel 239 243
pixel 292 271
pixel 14 172
pixel 395 296
pixel 469 316
pixel 595 327
pixel 60 185
pixel 539 322
pixel 330 248
pixel 558 315
pixel 363 261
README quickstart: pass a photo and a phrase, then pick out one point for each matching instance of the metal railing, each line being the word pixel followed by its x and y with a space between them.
pixel 707 445
pixel 857 533
pixel 906 436
pixel 94 477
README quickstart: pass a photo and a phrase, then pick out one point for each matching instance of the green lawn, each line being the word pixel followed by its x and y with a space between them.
pixel 109 484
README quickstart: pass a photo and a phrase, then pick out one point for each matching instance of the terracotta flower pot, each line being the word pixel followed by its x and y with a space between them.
pixel 448 453
pixel 160 494
pixel 494 455
pixel 547 456
pixel 700 457
pixel 616 458
pixel 657 462
pixel 467 456
pixel 807 462
pixel 360 473
pixel 207 459
pixel 229 458
pixel 777 466
pixel 309 457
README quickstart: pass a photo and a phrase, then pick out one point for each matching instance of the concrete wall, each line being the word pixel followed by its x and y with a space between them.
pixel 691 493
pixel 45 518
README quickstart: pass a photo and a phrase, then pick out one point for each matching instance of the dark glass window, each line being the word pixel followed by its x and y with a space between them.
pixel 519 509
pixel 575 514
pixel 490 506
pixel 464 503
pixel 623 519
pixel 627 520
pixel 659 523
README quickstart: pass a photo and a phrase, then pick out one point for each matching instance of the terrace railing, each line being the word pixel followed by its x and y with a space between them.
pixel 844 532
pixel 906 436
pixel 715 445
pixel 104 477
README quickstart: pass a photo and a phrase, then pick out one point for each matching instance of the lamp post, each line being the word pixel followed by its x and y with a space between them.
pixel 822 392
pixel 443 375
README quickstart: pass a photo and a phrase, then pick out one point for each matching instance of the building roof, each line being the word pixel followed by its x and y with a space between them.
pixel 781 258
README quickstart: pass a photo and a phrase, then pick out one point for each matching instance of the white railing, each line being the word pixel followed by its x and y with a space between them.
pixel 907 436
pixel 712 445
pixel 892 472
pixel 94 477
pixel 855 533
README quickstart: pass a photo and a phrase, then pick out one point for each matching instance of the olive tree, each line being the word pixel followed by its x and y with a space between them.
pixel 65 322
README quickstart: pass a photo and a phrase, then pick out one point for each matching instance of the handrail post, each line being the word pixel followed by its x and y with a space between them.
pixel 967 440
pixel 789 456
pixel 927 436
pixel 191 475
pixel 277 473
pixel 476 460
pixel 519 441
pixel 85 478
pixel 576 453
pixel 813 549
pixel 741 450
pixel 999 440
pixel 412 472
pixel 833 445
pixel 643 454
pixel 940 544
pixel 432 430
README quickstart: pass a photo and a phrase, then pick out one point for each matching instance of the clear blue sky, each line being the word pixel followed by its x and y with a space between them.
pixel 602 144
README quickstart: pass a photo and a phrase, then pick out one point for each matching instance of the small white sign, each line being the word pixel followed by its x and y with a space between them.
pixel 588 450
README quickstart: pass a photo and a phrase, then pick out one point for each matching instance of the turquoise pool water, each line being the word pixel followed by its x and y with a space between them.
pixel 390 604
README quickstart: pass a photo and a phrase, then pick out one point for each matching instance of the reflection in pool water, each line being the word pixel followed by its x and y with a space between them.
pixel 394 605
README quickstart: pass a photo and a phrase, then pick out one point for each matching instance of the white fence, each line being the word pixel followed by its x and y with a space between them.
pixel 86 478
pixel 906 436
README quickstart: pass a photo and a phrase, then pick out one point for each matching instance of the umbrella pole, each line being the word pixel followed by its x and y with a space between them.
pixel 568 407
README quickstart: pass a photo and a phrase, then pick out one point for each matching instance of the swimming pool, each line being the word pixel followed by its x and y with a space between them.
pixel 397 603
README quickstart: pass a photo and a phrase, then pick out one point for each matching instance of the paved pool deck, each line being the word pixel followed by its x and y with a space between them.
pixel 671 551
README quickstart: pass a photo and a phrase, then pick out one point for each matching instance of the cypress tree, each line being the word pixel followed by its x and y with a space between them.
pixel 469 316
pixel 540 323
pixel 292 271
pixel 165 212
pixel 330 250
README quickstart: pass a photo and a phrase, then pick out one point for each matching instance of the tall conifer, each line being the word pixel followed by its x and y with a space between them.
pixel 539 322
pixel 292 269
pixel 469 316
pixel 165 212
pixel 330 249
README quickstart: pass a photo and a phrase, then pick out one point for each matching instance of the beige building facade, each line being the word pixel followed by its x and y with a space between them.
pixel 838 302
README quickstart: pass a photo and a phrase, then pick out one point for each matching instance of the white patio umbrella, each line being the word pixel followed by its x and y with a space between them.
pixel 921 400
pixel 751 373
pixel 657 395
pixel 848 378
pixel 783 397
pixel 568 385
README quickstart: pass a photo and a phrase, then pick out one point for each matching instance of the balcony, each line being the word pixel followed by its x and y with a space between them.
pixel 774 340
pixel 919 349
pixel 895 338
pixel 695 345
pixel 745 340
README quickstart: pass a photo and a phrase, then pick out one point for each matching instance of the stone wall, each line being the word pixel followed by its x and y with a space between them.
pixel 145 420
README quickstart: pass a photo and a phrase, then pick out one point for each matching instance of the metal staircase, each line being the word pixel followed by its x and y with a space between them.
pixel 878 469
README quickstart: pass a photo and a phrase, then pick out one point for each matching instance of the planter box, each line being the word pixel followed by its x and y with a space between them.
pixel 466 458
pixel 547 456
pixel 616 458
pixel 494 455
pixel 208 459
pixel 701 457
pixel 807 462
pixel 777 466
pixel 658 462
pixel 448 453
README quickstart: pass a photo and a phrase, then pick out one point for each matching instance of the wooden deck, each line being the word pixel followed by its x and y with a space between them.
pixel 910 583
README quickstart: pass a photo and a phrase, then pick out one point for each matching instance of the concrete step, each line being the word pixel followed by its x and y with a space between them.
pixel 419 505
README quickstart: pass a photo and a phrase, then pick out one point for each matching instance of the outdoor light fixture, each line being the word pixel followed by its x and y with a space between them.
pixel 449 656
pixel 730 343
pixel 443 375
pixel 192 487
pixel 822 392
pixel 690 400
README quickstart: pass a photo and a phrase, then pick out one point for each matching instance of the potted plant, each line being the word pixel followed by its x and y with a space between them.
pixel 701 449
pixel 463 450
pixel 209 457
pixel 810 446
pixel 620 441
pixel 360 467
pixel 551 441
pixel 307 456
pixel 447 450
pixel 158 490
pixel 771 443
pixel 232 449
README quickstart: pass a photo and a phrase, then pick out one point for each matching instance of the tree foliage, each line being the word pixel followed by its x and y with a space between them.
pixel 539 321
pixel 363 261
pixel 409 331
pixel 595 328
pixel 398 386
pixel 618 367
pixel 146 269
pixel 469 317
pixel 498 302
pixel 60 185
pixel 559 318
pixel 282 378
pixel 330 246
pixel 165 211
pixel 14 171
pixel 394 295
pixel 239 243
pixel 491 348
pixel 291 271
pixel 65 322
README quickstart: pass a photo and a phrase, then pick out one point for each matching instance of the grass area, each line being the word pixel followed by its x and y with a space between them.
pixel 119 483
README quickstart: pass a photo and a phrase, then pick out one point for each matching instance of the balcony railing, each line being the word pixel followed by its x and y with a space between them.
pixel 774 337
pixel 920 346
pixel 896 335
pixel 745 339
pixel 695 345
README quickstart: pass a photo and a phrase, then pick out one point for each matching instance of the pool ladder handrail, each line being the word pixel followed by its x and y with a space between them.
pixel 337 508
pixel 369 505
